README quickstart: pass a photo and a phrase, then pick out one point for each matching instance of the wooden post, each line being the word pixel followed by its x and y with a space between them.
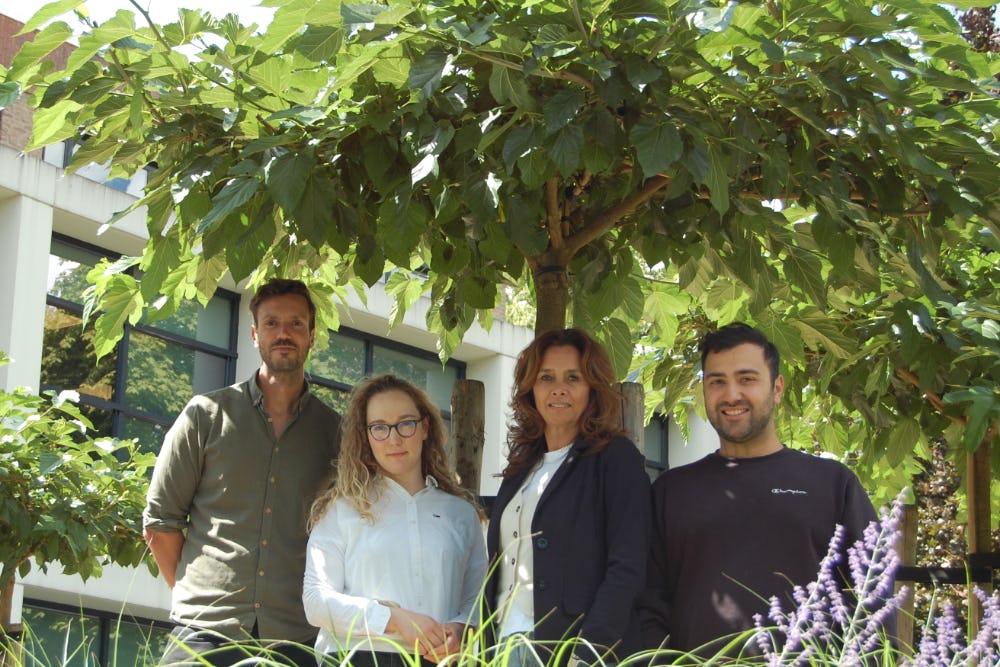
pixel 633 412
pixel 907 556
pixel 11 649
pixel 468 419
pixel 977 485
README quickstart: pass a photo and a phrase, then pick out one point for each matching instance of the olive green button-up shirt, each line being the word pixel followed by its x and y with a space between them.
pixel 242 496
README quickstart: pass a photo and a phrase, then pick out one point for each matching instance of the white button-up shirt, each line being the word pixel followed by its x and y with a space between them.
pixel 424 552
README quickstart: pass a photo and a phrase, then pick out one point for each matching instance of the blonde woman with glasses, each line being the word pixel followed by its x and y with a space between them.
pixel 396 556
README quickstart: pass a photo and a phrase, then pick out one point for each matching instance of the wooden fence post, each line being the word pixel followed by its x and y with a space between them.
pixel 907 556
pixel 977 485
pixel 633 412
pixel 468 419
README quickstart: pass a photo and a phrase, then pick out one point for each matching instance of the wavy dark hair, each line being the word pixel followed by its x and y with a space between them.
pixel 356 478
pixel 601 419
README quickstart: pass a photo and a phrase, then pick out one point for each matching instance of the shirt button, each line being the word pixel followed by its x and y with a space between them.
pixel 263 543
pixel 273 478
pixel 260 573
pixel 256 605
pixel 277 449
pixel 267 510
pixel 542 543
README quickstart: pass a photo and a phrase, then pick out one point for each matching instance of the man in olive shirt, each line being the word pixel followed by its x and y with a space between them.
pixel 227 504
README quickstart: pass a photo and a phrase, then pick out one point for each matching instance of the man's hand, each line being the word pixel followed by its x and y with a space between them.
pixel 166 548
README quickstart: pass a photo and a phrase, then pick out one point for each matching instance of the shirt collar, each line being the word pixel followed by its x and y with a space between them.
pixel 257 396
pixel 429 483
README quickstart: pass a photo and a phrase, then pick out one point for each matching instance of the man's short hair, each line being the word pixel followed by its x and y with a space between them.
pixel 738 333
pixel 279 287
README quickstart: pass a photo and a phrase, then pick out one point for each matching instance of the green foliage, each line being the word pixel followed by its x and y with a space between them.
pixel 826 171
pixel 67 497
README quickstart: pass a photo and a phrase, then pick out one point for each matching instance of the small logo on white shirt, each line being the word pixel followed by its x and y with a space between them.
pixel 794 492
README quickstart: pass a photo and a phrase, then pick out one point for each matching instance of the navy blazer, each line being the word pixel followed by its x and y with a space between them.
pixel 590 543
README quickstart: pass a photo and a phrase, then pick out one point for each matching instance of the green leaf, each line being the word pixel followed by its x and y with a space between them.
pixel 314 215
pixel 9 92
pixel 51 125
pixel 232 196
pixel 562 108
pixel 904 437
pixel 33 52
pixel 509 87
pixel 617 340
pixel 657 145
pixel 122 302
pixel 49 12
pixel 524 227
pixel 804 270
pixel 286 177
pixel 320 43
pixel 822 333
pixel 247 251
pixel 478 292
pixel 426 73
pixel 565 149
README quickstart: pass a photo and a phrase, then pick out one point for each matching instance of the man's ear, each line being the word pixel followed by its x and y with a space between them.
pixel 779 388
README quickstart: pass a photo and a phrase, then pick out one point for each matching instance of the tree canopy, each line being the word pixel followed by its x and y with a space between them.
pixel 648 168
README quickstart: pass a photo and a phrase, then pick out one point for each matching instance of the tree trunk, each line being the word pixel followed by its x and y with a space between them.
pixel 978 499
pixel 551 297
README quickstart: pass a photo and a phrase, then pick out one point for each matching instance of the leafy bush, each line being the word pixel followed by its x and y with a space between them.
pixel 66 497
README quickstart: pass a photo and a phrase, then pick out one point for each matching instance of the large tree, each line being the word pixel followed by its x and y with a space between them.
pixel 648 168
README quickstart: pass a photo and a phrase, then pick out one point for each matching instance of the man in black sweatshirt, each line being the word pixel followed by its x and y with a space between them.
pixel 747 522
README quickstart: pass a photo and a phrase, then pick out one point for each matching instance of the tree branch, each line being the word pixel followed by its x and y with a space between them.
pixel 931 396
pixel 607 219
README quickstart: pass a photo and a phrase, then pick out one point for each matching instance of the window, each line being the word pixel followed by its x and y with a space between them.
pixel 60 635
pixel 655 440
pixel 138 389
pixel 351 356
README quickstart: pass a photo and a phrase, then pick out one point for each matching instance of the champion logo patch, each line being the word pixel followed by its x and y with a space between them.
pixel 789 492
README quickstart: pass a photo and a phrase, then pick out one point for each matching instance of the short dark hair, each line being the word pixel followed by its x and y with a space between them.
pixel 279 287
pixel 738 333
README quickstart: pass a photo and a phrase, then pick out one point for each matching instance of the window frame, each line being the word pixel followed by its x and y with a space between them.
pixel 117 408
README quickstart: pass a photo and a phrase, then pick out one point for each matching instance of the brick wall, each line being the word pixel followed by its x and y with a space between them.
pixel 15 120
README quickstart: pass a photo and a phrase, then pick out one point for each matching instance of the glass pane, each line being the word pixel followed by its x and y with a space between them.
pixel 210 324
pixel 163 376
pixel 59 638
pixel 134 644
pixel 68 359
pixel 427 373
pixel 342 361
pixel 335 398
pixel 68 268
pixel 148 434
pixel 653 438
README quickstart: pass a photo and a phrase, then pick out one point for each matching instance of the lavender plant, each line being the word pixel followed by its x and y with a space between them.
pixel 832 627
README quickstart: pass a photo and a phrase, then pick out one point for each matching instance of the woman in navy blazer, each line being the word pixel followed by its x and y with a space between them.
pixel 569 530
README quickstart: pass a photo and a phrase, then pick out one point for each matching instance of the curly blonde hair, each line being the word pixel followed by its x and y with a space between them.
pixel 356 476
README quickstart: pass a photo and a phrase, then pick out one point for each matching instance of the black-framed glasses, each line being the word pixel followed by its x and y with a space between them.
pixel 405 429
